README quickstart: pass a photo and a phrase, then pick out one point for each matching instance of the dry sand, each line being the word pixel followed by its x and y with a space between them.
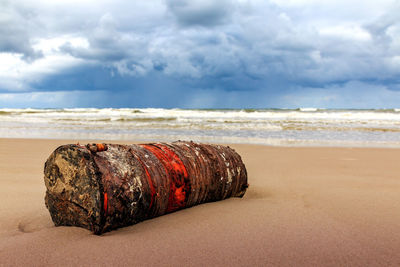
pixel 305 206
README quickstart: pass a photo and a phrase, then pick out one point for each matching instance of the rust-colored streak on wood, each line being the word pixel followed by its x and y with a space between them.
pixel 176 173
pixel 106 186
pixel 180 186
pixel 178 164
pixel 105 204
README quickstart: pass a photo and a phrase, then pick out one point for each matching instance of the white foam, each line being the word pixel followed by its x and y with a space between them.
pixel 308 109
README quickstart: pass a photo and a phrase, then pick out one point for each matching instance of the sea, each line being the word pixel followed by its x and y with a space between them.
pixel 274 127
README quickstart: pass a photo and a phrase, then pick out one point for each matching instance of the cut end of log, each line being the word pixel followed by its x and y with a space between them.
pixel 73 190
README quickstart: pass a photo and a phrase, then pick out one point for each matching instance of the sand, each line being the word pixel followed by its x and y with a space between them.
pixel 305 206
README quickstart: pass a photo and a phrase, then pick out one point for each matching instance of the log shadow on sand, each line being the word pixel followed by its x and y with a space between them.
pixel 257 192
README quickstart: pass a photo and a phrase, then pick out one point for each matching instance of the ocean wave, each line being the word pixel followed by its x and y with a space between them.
pixel 243 125
pixel 205 116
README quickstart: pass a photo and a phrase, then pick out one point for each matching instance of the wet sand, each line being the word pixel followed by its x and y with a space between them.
pixel 304 206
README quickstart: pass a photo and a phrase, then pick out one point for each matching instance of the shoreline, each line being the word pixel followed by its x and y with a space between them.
pixel 305 206
pixel 116 141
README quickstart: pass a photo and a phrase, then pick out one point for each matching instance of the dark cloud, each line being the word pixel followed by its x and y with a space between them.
pixel 201 12
pixel 16 26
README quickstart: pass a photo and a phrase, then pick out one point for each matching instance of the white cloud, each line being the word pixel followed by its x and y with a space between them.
pixel 354 32
pixel 49 46
pixel 17 74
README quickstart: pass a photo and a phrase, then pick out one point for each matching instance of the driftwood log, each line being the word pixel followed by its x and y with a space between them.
pixel 105 186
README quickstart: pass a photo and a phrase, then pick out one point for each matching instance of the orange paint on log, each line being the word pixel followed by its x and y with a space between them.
pixel 100 147
pixel 105 204
pixel 177 162
pixel 180 195
pixel 176 173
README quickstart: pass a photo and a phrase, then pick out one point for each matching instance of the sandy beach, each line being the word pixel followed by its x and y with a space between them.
pixel 305 206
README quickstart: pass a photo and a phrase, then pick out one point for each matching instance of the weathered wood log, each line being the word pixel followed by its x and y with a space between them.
pixel 105 186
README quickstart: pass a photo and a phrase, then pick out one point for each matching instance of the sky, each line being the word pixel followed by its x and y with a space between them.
pixel 200 53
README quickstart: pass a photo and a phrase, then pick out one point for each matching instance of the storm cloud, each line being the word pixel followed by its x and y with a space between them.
pixel 242 53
